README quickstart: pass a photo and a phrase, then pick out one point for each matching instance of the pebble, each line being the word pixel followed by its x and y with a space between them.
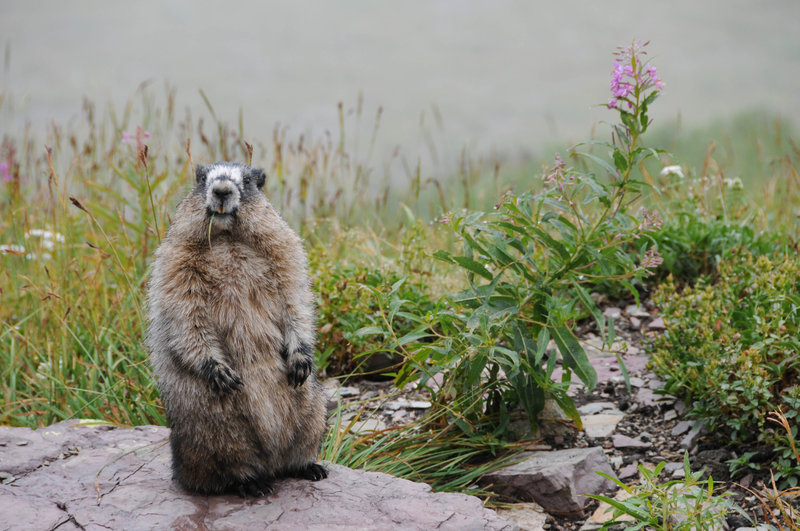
pixel 636 324
pixel 657 324
pixel 623 441
pixel 628 471
pixel 681 427
pixel 636 311
pixel 636 382
pixel 670 415
pixel 612 312
pixel 595 407
pixel 22 443
pixel 690 439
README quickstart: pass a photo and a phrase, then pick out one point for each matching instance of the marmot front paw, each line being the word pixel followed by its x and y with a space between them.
pixel 221 378
pixel 299 370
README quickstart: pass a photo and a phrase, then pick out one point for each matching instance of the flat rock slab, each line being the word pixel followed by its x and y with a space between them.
pixel 556 480
pixel 71 476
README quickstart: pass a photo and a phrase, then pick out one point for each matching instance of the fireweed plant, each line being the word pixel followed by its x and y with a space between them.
pixel 530 266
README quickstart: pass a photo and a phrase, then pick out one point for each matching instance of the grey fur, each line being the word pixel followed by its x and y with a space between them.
pixel 231 339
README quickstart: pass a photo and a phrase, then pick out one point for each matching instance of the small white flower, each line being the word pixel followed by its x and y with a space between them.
pixel 12 249
pixel 673 170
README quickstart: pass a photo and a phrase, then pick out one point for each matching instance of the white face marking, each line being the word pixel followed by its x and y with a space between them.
pixel 233 173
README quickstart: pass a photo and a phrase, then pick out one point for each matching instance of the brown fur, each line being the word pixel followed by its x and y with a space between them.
pixel 231 335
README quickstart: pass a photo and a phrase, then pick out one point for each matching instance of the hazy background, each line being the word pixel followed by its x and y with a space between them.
pixel 504 75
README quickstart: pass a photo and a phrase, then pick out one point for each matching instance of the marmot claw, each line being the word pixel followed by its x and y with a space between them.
pixel 299 370
pixel 221 378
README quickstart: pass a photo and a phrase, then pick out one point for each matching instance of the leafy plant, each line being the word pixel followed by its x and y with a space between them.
pixel 731 349
pixel 685 504
pixel 529 267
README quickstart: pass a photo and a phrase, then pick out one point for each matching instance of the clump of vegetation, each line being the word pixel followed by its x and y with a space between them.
pixel 731 349
pixel 684 504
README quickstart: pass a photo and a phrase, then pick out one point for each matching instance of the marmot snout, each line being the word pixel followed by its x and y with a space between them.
pixel 231 339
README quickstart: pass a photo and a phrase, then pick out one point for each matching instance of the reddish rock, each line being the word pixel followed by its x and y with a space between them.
pixel 556 480
pixel 69 476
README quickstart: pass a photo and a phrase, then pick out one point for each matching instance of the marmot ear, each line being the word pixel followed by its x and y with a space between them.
pixel 200 174
pixel 260 177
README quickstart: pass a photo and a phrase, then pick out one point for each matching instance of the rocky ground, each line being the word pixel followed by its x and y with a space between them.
pixel 632 427
pixel 73 476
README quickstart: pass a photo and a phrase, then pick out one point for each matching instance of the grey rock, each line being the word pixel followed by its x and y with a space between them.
pixel 636 324
pixel 681 427
pixel 623 441
pixel 635 381
pixel 646 397
pixel 636 311
pixel 612 312
pixel 670 415
pixel 595 407
pixel 528 516
pixel 553 422
pixel 690 439
pixel 555 480
pixel 120 478
pixel 601 425
pixel 628 471
pixel 657 324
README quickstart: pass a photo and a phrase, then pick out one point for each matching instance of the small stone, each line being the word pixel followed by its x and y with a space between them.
pixel 601 425
pixel 680 407
pixel 655 384
pixel 657 324
pixel 633 351
pixel 604 513
pixel 526 515
pixel 670 415
pixel 636 381
pixel 636 324
pixel 690 439
pixel 22 443
pixel 628 471
pixel 612 312
pixel 616 461
pixel 672 466
pixel 681 427
pixel 368 425
pixel 636 311
pixel 646 397
pixel 645 436
pixel 595 407
pixel 623 441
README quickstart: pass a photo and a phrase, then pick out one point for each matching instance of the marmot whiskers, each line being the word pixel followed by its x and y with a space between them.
pixel 231 339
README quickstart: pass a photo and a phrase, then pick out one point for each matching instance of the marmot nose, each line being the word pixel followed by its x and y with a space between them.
pixel 222 193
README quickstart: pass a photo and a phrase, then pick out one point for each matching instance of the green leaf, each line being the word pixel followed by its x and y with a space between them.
pixel 473 266
pixel 626 508
pixel 369 331
pixel 620 162
pixel 574 356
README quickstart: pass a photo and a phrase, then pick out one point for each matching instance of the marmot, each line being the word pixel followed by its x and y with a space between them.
pixel 231 339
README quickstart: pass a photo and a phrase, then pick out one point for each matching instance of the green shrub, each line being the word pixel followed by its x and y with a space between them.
pixel 529 265
pixel 732 349
pixel 685 504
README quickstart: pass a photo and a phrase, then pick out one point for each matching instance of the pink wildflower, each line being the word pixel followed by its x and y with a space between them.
pixel 5 173
pixel 651 221
pixel 630 77
pixel 651 260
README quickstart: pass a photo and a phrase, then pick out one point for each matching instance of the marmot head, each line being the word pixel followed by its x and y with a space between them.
pixel 226 185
